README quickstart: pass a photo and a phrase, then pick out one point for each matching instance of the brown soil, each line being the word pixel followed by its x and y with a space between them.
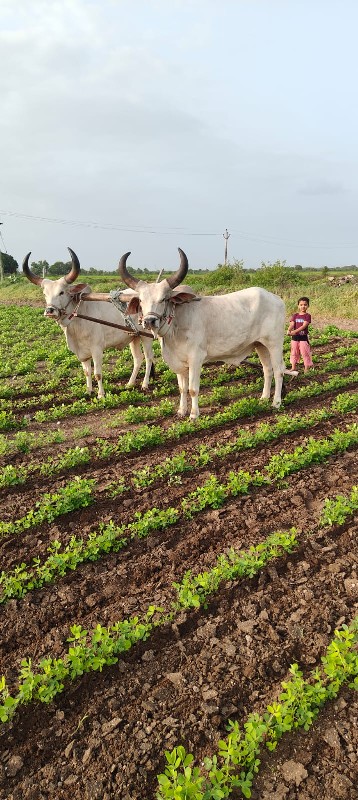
pixel 343 324
pixel 104 737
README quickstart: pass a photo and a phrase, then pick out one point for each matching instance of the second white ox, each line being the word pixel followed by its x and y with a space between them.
pixel 197 330
pixel 87 340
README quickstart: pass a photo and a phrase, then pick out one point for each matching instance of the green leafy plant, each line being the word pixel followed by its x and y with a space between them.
pixel 77 494
pixel 335 511
pixel 237 760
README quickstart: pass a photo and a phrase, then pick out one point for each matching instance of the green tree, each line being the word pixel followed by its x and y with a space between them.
pixel 226 274
pixel 40 268
pixel 276 276
pixel 9 264
pixel 59 268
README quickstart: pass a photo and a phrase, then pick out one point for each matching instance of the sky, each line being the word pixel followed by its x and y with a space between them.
pixel 148 125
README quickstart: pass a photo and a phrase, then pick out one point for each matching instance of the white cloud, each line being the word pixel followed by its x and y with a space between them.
pixel 322 186
pixel 183 114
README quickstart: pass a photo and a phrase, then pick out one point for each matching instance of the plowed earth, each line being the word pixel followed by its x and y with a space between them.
pixel 105 735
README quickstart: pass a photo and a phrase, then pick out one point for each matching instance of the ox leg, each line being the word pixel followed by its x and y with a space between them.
pixel 265 359
pixel 276 367
pixel 279 369
pixel 137 360
pixel 87 369
pixel 183 382
pixel 149 360
pixel 194 385
pixel 97 368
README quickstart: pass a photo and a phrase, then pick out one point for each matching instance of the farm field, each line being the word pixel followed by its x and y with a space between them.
pixel 112 649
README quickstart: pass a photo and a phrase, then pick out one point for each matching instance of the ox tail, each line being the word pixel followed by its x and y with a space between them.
pixel 152 373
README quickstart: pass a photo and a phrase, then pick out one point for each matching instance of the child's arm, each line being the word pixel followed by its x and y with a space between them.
pixel 302 327
pixel 291 327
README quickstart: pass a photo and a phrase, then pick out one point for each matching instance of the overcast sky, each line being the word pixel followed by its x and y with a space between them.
pixel 145 125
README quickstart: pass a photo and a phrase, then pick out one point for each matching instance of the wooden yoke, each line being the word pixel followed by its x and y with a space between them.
pixel 107 298
pixel 97 296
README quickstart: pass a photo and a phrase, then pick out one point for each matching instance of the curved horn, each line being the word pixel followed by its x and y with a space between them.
pixel 74 272
pixel 178 276
pixel 128 279
pixel 30 275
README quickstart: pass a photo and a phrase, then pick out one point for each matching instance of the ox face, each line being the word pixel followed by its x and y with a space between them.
pixel 57 298
pixel 154 300
pixel 60 298
pixel 58 294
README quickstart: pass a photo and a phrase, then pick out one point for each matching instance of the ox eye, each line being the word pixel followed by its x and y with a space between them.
pixel 62 293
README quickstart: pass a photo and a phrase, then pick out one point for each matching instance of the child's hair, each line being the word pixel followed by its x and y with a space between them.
pixel 305 299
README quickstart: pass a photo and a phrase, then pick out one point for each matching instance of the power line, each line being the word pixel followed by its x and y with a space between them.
pixel 110 227
pixel 146 229
pixel 267 239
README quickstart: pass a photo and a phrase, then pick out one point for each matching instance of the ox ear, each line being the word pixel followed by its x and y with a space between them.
pixel 183 294
pixel 131 298
pixel 133 305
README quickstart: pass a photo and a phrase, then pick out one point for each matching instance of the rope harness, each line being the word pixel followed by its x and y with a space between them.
pixel 121 306
pixel 74 312
pixel 165 319
pixel 130 327
pixel 64 318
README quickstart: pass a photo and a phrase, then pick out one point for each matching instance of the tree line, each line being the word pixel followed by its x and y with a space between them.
pixel 228 271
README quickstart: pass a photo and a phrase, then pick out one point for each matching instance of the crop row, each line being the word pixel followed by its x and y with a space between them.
pixel 61 362
pixel 111 537
pixel 77 456
pixel 21 326
pixel 238 756
pixel 77 407
pixel 92 651
pixel 155 435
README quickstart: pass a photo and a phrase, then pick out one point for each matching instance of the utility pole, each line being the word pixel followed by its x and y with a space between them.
pixel 1 263
pixel 226 236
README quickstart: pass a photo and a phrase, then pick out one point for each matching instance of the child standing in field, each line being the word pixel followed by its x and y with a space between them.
pixel 298 329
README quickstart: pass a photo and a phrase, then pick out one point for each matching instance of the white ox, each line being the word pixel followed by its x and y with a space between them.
pixel 218 328
pixel 87 340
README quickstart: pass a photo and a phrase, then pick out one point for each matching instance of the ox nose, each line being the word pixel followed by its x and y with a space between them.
pixel 150 322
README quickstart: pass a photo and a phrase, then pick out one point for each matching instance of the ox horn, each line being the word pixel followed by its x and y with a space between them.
pixel 36 279
pixel 178 276
pixel 74 272
pixel 30 275
pixel 128 279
